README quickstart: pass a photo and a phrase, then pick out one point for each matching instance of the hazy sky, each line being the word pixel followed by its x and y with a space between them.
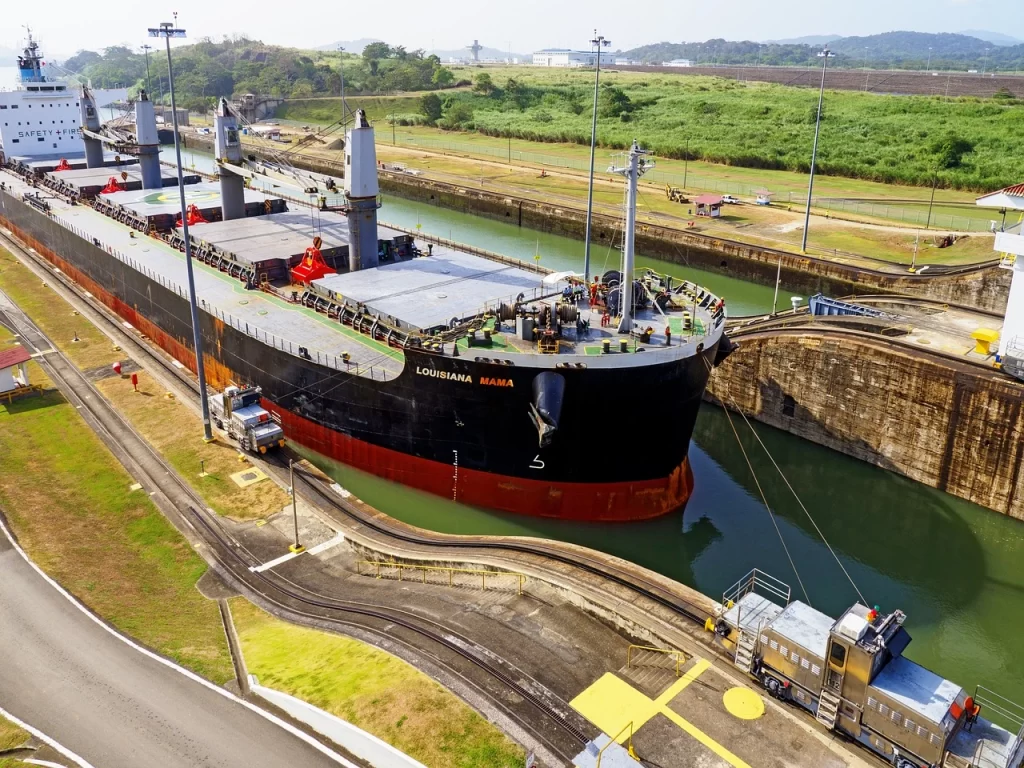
pixel 65 26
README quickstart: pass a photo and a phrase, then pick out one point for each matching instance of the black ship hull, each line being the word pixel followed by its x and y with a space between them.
pixel 457 427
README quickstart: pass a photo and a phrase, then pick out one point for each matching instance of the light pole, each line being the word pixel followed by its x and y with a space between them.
pixel 867 72
pixel 598 42
pixel 929 67
pixel 149 89
pixel 825 55
pixel 167 30
pixel 341 68
pixel 296 547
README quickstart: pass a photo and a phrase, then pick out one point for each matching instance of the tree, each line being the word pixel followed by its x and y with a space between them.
pixel 430 106
pixel 442 77
pixel 613 102
pixel 949 150
pixel 482 83
pixel 457 113
pixel 376 51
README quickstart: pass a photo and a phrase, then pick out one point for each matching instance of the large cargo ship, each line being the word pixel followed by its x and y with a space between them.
pixel 466 374
pixel 41 116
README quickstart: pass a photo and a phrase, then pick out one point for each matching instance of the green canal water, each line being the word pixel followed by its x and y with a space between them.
pixel 955 569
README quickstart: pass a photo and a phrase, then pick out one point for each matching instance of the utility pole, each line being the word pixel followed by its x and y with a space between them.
pixel 929 67
pixel 341 68
pixel 296 547
pixel 167 30
pixel 597 42
pixel 149 88
pixel 686 161
pixel 935 183
pixel 825 55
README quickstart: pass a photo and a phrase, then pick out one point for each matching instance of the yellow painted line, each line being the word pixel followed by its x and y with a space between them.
pixel 612 704
pixel 677 687
pixel 704 739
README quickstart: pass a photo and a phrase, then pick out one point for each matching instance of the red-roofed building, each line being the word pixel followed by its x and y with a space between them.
pixel 708 205
pixel 1010 197
pixel 13 372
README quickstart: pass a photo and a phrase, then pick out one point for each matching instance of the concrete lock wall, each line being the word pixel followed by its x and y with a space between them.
pixel 935 420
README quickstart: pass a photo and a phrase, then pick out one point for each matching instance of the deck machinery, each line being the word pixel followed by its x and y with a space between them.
pixel 851 674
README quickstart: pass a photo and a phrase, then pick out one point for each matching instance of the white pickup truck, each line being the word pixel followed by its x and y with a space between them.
pixel 238 411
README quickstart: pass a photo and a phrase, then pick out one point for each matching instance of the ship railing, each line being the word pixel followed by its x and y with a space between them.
pixel 759 582
pixel 328 359
pixel 1001 710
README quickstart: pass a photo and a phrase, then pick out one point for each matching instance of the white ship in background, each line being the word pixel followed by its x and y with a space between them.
pixel 41 117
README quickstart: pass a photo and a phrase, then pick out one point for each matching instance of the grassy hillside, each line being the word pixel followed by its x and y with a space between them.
pixel 891 139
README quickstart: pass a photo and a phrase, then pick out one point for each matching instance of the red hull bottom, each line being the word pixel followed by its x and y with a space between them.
pixel 596 502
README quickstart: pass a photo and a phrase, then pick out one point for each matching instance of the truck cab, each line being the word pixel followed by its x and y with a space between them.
pixel 239 413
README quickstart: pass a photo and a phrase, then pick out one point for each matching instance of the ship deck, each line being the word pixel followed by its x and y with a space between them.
pixel 408 288
pixel 284 325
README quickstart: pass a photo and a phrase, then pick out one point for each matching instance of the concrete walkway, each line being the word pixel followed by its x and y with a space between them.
pixel 112 705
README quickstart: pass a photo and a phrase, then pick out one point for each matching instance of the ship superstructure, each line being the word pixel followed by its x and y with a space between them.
pixel 41 117
pixel 467 374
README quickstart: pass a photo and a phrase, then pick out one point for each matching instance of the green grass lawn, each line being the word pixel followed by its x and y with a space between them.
pixel 171 427
pixel 11 736
pixel 372 690
pixel 70 504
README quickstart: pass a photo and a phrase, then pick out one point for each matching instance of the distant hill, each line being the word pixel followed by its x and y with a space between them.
pixel 996 38
pixel 806 40
pixel 906 50
pixel 350 46
pixel 485 53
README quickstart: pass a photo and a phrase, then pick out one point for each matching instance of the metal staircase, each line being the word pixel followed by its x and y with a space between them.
pixel 828 708
pixel 744 658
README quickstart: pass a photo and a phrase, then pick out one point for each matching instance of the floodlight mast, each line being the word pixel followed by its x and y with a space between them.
pixel 598 42
pixel 167 30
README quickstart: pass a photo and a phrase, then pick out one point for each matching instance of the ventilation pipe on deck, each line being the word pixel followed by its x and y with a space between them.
pixel 228 147
pixel 148 140
pixel 91 122
pixel 361 191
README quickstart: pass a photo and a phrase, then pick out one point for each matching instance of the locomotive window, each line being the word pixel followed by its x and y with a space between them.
pixel 897 717
pixel 804 663
pixel 764 639
pixel 883 709
pixel 837 655
pixel 775 645
pixel 922 732
pixel 794 657
pixel 784 650
pixel 909 724
pixel 933 739
pixel 872 702
pixel 815 669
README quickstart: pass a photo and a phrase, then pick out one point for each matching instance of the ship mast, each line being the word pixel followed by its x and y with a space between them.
pixel 636 166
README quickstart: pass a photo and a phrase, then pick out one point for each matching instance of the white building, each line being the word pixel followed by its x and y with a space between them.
pixel 678 63
pixel 563 57
pixel 1010 244
pixel 622 62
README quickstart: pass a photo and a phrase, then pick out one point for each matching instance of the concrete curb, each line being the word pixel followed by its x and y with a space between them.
pixel 363 745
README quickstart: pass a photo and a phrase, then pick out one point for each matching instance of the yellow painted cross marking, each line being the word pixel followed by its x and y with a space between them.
pixel 611 704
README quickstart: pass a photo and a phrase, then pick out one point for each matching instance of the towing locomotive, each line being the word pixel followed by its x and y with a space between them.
pixel 851 674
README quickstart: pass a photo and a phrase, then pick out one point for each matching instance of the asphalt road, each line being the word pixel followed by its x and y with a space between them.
pixel 109 703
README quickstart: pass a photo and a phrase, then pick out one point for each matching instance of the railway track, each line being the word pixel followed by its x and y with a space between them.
pixel 528 704
pixel 620 576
